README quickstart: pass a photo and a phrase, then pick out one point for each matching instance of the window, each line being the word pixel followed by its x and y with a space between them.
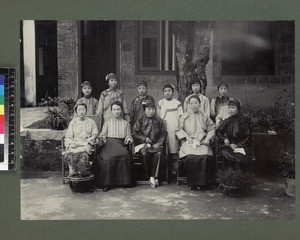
pixel 156 47
pixel 247 48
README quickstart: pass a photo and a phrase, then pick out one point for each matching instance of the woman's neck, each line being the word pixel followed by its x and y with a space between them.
pixel 87 96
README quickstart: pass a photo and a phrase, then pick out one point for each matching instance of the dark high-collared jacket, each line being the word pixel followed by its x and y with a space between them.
pixel 152 128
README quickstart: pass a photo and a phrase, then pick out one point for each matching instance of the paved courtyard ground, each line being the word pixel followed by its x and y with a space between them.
pixel 44 197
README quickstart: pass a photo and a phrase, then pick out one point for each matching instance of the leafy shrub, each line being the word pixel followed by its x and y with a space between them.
pixel 286 164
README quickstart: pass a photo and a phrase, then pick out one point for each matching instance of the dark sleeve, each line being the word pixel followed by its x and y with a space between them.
pixel 131 111
pixel 136 132
pixel 163 132
pixel 247 140
pixel 221 130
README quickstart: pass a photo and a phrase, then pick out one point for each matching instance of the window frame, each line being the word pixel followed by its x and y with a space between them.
pixel 139 69
pixel 248 53
pixel 241 80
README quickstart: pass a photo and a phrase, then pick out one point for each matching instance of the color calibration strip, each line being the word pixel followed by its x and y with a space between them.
pixel 7 119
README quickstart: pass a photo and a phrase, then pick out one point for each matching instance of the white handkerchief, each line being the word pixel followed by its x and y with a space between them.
pixel 138 147
pixel 195 144
pixel 239 150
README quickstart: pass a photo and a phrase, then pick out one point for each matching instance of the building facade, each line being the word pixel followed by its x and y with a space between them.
pixel 256 59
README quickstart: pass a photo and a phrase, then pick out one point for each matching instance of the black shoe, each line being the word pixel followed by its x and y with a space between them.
pixel 105 189
pixel 192 188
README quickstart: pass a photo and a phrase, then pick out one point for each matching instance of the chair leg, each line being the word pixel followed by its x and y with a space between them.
pixel 63 171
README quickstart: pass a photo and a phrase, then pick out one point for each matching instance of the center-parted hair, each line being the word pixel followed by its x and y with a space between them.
pixel 118 103
pixel 235 102
pixel 148 103
pixel 78 104
pixel 142 83
pixel 169 85
pixel 222 83
pixel 110 76
pixel 196 97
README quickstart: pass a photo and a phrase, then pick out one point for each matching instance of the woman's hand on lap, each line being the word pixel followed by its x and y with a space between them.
pixel 156 145
pixel 233 146
pixel 226 142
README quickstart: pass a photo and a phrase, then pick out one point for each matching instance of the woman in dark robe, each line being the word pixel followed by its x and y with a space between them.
pixel 114 157
pixel 150 132
pixel 196 131
pixel 235 138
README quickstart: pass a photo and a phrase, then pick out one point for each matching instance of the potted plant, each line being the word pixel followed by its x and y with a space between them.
pixel 57 117
pixel 287 167
pixel 233 182
pixel 81 180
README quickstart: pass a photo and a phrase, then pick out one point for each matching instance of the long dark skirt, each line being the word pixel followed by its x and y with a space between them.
pixel 114 164
pixel 200 170
pixel 235 160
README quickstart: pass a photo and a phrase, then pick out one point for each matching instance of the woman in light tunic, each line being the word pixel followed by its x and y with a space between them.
pixel 196 131
pixel 80 138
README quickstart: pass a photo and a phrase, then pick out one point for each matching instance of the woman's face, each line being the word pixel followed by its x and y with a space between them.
pixel 223 90
pixel 168 93
pixel 196 88
pixel 116 111
pixel 232 109
pixel 149 111
pixel 194 105
pixel 81 111
pixel 86 90
pixel 112 83
pixel 142 90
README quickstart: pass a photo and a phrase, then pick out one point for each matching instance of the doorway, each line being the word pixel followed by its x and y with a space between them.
pixel 98 53
pixel 46 59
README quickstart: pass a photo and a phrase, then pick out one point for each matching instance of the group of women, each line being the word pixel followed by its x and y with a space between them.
pixel 194 128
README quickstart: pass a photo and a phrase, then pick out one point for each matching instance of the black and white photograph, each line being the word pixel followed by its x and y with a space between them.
pixel 157 119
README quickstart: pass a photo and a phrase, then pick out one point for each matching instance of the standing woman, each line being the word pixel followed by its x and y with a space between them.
pixel 114 157
pixel 108 96
pixel 169 109
pixel 196 131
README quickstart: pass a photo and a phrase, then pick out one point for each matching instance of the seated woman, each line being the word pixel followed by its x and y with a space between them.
pixel 79 140
pixel 196 130
pixel 114 157
pixel 150 131
pixel 235 137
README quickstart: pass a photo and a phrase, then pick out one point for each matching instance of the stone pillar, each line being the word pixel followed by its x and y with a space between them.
pixel 29 62
pixel 68 59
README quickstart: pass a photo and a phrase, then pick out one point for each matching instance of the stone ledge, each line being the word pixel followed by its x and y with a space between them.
pixel 43 134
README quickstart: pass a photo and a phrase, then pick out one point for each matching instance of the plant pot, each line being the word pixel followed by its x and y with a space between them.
pixel 234 191
pixel 81 185
pixel 290 187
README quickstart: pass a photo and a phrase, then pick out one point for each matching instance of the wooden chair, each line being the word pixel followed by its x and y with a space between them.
pixel 140 168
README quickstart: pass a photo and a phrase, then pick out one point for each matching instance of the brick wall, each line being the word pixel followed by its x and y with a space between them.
pixel 67 59
pixel 128 76
pixel 254 90
pixel 260 90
